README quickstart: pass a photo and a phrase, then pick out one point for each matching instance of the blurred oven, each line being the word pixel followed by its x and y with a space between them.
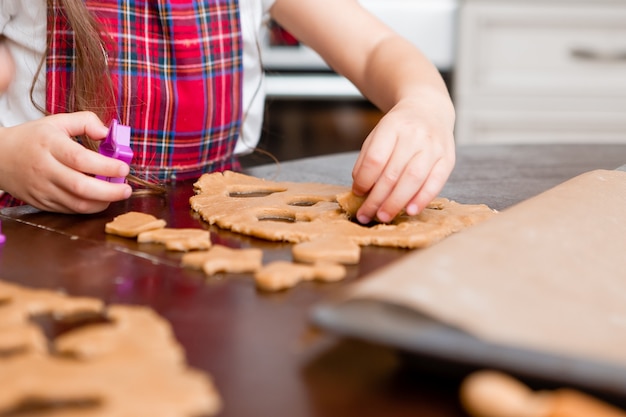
pixel 294 70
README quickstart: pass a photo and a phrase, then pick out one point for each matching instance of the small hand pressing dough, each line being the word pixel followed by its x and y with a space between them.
pixel 350 203
pixel 281 275
pixel 223 259
pixel 127 364
pixel 182 240
pixel 133 223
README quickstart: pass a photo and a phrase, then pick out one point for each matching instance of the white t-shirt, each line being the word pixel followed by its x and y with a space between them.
pixel 23 24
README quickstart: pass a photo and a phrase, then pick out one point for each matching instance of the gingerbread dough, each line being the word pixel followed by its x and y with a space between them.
pixel 182 240
pixel 128 364
pixel 132 224
pixel 280 275
pixel 298 212
pixel 350 203
pixel 223 259
pixel 331 248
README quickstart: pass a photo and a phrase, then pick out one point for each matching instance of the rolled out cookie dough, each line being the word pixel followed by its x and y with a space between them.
pixel 280 275
pixel 299 212
pixel 182 240
pixel 223 259
pixel 132 224
pixel 330 248
pixel 128 364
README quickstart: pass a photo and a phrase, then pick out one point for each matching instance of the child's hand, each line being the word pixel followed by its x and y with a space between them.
pixel 405 161
pixel 42 165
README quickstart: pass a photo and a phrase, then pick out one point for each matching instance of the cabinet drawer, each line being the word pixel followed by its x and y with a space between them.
pixel 542 48
pixel 514 127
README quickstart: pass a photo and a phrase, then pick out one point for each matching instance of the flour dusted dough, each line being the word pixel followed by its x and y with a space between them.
pixel 127 365
pixel 299 212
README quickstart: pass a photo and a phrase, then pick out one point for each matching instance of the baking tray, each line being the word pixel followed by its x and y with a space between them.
pixel 425 338
pixel 428 339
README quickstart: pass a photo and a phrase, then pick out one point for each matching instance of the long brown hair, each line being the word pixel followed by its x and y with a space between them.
pixel 92 87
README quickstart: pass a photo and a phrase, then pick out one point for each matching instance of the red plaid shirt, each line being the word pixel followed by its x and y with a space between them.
pixel 177 69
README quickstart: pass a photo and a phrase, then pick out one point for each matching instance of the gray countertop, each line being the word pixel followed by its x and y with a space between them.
pixel 497 175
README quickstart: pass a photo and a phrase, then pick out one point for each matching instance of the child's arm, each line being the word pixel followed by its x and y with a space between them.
pixel 42 165
pixel 7 67
pixel 407 158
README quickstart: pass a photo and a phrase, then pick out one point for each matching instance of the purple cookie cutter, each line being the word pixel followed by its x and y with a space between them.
pixel 3 238
pixel 116 145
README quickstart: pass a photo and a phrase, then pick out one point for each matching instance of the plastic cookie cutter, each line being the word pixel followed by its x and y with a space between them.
pixel 3 238
pixel 116 145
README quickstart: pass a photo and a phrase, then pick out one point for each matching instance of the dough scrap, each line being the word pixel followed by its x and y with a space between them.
pixel 182 240
pixel 129 363
pixel 331 248
pixel 224 259
pixel 350 203
pixel 298 212
pixel 280 275
pixel 133 223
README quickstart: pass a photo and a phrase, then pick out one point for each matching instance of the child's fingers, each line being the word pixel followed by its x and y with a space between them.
pixel 412 178
pixel 80 123
pixel 97 196
pixel 81 159
pixel 67 191
pixel 80 193
pixel 371 162
pixel 431 188
pixel 401 177
pixel 422 179
pixel 69 205
pixel 414 175
pixel 73 155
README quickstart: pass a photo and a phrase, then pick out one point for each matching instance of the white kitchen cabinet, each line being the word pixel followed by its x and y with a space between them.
pixel 539 71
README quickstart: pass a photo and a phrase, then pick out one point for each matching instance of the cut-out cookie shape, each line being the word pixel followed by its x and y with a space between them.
pixel 132 224
pixel 281 275
pixel 330 248
pixel 224 259
pixel 129 364
pixel 298 212
pixel 182 240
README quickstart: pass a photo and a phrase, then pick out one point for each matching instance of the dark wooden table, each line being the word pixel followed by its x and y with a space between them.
pixel 263 353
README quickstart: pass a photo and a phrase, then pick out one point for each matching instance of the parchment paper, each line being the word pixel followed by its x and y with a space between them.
pixel 547 274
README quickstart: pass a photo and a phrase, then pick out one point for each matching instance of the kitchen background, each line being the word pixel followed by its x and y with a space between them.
pixel 519 71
